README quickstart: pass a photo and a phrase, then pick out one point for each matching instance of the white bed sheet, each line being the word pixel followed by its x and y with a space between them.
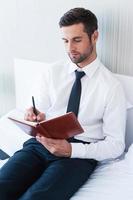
pixel 11 136
pixel 110 181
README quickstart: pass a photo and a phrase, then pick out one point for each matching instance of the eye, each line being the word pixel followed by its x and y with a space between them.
pixel 77 40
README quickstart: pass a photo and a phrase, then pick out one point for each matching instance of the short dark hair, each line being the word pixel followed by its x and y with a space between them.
pixel 80 15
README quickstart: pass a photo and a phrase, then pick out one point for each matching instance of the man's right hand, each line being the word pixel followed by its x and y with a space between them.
pixel 30 116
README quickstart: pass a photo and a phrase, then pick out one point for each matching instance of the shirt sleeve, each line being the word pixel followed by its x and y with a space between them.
pixel 114 122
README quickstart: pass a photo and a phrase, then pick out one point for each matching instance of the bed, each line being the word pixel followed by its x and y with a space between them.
pixel 111 180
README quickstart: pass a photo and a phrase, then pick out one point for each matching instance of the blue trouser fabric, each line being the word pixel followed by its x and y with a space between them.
pixel 3 155
pixel 33 173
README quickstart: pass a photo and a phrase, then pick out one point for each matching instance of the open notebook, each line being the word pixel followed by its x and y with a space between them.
pixel 61 127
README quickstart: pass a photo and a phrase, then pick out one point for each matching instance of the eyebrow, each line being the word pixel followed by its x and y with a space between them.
pixel 77 37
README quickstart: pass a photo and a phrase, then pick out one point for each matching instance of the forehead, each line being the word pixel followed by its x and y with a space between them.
pixel 76 30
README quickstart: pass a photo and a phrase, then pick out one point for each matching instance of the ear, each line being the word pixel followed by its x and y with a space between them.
pixel 94 37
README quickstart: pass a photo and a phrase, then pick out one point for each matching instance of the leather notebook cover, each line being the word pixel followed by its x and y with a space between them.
pixel 62 127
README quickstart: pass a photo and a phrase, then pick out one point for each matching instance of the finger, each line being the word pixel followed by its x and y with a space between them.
pixel 45 141
pixel 38 134
pixel 41 116
pixel 45 144
pixel 38 138
pixel 41 139
pixel 30 117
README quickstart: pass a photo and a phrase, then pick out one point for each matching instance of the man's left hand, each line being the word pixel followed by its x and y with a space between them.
pixel 58 147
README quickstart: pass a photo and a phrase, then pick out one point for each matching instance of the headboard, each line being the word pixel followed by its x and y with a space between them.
pixel 127 83
pixel 28 73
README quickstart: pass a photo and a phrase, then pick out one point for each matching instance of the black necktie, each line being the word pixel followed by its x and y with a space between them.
pixel 74 99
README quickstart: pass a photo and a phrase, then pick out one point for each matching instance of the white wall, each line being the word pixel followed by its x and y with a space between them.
pixel 7 52
pixel 38 35
pixel 29 29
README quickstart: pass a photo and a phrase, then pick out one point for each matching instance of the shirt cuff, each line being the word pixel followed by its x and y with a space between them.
pixel 78 150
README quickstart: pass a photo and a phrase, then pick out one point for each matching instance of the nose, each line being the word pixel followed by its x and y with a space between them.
pixel 70 47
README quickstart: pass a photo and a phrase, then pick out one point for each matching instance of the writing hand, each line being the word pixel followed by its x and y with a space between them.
pixel 31 116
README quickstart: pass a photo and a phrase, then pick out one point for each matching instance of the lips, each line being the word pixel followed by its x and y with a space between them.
pixel 74 54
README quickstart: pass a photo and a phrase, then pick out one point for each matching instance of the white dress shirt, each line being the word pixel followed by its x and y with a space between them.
pixel 102 110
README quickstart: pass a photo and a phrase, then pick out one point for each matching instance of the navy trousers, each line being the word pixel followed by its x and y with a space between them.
pixel 3 155
pixel 33 173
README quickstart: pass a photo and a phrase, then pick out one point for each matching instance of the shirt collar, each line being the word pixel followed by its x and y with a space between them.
pixel 89 69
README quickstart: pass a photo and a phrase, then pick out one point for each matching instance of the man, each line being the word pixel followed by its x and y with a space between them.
pixel 55 169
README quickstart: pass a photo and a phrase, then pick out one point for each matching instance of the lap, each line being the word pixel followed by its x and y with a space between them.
pixel 60 180
pixel 38 174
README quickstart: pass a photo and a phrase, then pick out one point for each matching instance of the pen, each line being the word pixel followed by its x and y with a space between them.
pixel 34 107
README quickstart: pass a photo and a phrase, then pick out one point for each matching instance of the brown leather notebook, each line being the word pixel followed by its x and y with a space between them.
pixel 62 127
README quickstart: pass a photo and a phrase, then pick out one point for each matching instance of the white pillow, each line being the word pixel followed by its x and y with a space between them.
pixel 27 76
